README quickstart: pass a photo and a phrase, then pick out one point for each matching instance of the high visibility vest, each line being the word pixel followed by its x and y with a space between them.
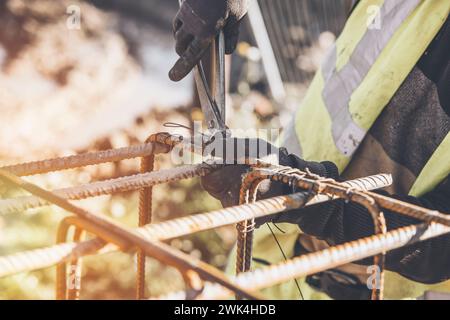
pixel 361 73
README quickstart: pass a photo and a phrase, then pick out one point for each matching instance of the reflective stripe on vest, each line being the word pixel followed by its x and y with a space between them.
pixel 360 75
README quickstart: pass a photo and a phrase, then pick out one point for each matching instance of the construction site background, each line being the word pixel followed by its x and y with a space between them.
pixel 65 91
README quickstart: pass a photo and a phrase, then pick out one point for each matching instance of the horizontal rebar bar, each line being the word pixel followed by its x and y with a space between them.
pixel 46 257
pixel 322 260
pixel 122 184
pixel 85 159
pixel 329 186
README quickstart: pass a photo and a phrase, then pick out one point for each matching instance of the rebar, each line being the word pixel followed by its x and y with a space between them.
pixel 86 159
pixel 75 269
pixel 145 217
pixel 294 177
pixel 244 244
pixel 122 184
pixel 61 268
pixel 127 239
pixel 42 258
pixel 319 261
pixel 63 291
pixel 202 280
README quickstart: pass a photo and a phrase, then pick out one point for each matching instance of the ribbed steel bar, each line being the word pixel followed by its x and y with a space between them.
pixel 322 260
pixel 61 268
pixel 411 210
pixel 244 244
pixel 75 267
pixel 69 288
pixel 241 243
pixel 297 178
pixel 329 186
pixel 294 177
pixel 145 217
pixel 128 239
pixel 86 159
pixel 42 258
pixel 123 184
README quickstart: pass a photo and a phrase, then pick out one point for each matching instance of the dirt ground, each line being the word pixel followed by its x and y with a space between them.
pixel 61 89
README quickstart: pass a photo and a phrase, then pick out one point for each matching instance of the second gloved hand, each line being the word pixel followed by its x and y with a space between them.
pixel 195 26
pixel 224 184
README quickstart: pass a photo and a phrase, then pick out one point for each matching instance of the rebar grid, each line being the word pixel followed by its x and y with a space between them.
pixel 319 261
pixel 202 280
pixel 127 239
pixel 293 177
pixel 46 257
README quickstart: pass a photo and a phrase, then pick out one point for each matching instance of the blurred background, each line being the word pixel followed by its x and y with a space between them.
pixel 79 76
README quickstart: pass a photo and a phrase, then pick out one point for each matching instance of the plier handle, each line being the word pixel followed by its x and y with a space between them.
pixel 212 100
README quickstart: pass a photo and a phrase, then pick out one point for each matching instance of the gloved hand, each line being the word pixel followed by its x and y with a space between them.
pixel 195 26
pixel 224 184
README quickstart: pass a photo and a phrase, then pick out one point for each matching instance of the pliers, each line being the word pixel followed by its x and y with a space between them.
pixel 212 100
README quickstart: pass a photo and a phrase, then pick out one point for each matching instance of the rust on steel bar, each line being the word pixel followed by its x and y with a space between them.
pixel 248 193
pixel 145 217
pixel 319 261
pixel 363 199
pixel 411 210
pixel 42 258
pixel 75 266
pixel 63 291
pixel 407 209
pixel 372 202
pixel 85 159
pixel 61 267
pixel 128 239
pixel 244 245
pixel 123 184
pixel 293 177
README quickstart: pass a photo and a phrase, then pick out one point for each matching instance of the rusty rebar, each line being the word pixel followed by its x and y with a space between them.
pixel 293 177
pixel 145 217
pixel 63 291
pixel 245 229
pixel 123 184
pixel 128 239
pixel 113 236
pixel 61 267
pixel 75 267
pixel 42 258
pixel 407 209
pixel 319 261
pixel 244 242
pixel 85 159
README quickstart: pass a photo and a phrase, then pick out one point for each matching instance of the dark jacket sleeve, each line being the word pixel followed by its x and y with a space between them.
pixel 338 222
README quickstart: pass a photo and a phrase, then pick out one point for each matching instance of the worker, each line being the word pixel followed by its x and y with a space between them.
pixel 380 103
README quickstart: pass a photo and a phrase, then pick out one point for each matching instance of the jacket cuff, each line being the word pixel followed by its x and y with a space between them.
pixel 325 169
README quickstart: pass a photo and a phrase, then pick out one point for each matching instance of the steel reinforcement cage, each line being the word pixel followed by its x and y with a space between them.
pixel 202 281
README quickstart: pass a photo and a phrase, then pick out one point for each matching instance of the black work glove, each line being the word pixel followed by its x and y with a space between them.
pixel 195 26
pixel 224 184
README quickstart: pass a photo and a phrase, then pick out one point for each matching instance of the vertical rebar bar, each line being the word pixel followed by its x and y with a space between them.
pixel 75 266
pixel 61 268
pixel 244 244
pixel 145 217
